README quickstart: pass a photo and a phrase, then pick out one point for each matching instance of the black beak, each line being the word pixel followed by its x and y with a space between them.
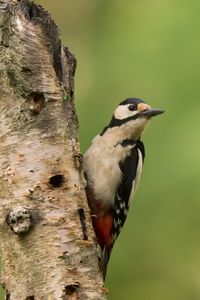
pixel 152 112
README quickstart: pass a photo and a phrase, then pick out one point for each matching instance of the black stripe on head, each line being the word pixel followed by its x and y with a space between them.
pixel 117 122
pixel 134 101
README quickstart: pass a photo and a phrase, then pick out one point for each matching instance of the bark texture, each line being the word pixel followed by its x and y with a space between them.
pixel 47 242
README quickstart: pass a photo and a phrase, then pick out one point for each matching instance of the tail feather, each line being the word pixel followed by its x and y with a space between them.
pixel 104 260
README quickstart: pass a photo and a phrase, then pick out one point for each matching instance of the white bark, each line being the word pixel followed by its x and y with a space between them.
pixel 47 242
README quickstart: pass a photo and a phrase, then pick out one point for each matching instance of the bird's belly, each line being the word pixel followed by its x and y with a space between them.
pixel 104 174
pixel 107 178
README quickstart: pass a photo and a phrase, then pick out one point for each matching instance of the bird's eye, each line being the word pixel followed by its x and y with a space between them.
pixel 131 107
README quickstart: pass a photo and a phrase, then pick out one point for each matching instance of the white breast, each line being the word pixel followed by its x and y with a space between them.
pixel 101 164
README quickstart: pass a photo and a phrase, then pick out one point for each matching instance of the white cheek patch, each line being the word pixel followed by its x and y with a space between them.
pixel 122 112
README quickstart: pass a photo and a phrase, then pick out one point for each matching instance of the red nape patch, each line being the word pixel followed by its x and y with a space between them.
pixel 103 228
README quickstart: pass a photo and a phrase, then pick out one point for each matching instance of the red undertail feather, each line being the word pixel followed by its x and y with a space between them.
pixel 103 227
pixel 102 222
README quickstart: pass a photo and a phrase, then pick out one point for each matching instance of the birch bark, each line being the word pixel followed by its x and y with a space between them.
pixel 47 242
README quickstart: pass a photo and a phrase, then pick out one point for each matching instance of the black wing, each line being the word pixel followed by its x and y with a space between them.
pixel 129 170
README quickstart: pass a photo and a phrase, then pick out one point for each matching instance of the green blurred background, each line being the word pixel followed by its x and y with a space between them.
pixel 151 50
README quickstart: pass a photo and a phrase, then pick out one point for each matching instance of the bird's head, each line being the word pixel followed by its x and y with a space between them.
pixel 132 115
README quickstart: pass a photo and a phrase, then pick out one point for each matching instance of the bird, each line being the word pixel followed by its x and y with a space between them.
pixel 112 166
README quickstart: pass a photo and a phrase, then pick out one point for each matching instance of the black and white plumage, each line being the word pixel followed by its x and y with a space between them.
pixel 113 166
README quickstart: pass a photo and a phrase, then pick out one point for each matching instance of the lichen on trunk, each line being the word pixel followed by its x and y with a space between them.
pixel 47 242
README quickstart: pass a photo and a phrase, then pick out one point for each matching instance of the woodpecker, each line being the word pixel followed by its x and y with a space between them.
pixel 112 167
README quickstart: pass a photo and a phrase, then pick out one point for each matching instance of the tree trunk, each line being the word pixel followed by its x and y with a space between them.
pixel 47 242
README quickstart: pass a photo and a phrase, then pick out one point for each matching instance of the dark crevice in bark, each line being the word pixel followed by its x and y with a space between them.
pixel 70 289
pixel 71 63
pixel 57 181
pixel 27 70
pixel 30 298
pixel 83 223
pixel 36 102
pixel 7 295
pixel 32 10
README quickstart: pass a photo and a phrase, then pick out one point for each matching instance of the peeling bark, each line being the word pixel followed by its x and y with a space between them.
pixel 47 242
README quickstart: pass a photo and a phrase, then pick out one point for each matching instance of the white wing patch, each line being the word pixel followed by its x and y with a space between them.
pixel 137 177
